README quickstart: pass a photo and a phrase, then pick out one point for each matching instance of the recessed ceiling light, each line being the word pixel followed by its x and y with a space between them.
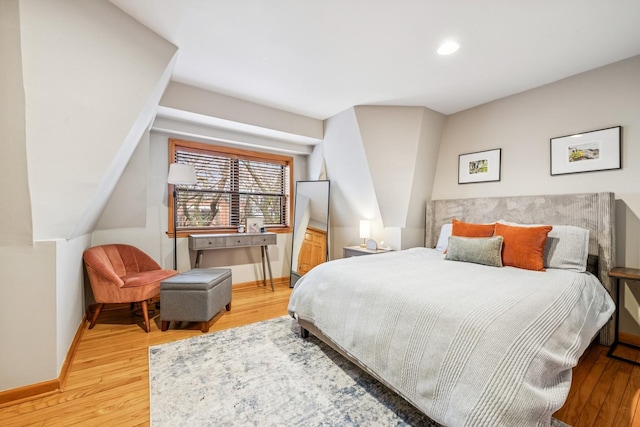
pixel 447 48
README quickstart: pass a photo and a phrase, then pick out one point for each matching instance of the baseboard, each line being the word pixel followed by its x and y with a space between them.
pixel 276 281
pixel 33 391
pixel 629 339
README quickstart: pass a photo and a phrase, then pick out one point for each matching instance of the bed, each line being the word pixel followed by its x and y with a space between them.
pixel 467 342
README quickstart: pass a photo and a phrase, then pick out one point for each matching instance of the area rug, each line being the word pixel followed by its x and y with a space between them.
pixel 264 374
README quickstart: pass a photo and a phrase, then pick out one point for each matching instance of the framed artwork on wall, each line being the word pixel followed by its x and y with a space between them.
pixel 591 151
pixel 483 166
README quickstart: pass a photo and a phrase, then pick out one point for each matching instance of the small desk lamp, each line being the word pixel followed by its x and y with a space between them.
pixel 179 174
pixel 365 231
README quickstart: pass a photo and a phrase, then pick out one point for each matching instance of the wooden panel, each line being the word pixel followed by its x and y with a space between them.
pixel 313 250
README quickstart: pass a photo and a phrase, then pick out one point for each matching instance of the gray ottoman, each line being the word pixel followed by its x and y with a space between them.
pixel 195 296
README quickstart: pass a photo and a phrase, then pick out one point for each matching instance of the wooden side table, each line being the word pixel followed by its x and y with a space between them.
pixel 633 275
pixel 349 251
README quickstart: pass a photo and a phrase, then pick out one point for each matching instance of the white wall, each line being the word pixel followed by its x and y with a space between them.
pixel 522 126
pixel 381 161
pixel 70 298
pixel 28 328
pixel 13 162
pixel 90 92
pixel 80 94
pixel 221 110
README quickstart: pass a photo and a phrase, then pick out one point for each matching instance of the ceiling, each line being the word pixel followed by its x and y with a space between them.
pixel 318 58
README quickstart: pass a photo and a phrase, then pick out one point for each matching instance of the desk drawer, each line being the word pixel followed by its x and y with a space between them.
pixel 205 242
pixel 264 239
pixel 238 240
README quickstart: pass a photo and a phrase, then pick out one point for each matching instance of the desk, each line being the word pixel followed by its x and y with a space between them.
pixel 632 274
pixel 204 242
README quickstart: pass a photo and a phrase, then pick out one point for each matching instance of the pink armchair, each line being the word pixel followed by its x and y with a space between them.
pixel 123 274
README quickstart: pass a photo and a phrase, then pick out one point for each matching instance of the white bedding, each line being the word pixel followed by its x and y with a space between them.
pixel 468 344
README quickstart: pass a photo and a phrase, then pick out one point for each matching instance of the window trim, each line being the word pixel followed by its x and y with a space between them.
pixel 206 148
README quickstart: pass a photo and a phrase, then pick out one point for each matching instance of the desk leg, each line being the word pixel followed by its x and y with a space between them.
pixel 198 259
pixel 265 253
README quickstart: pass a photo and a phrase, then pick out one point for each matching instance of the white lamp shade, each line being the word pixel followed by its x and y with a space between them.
pixel 181 174
pixel 365 229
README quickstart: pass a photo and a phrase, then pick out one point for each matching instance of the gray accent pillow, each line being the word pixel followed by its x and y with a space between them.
pixel 567 247
pixel 479 250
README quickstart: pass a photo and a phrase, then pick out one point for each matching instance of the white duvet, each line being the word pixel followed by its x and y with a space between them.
pixel 469 345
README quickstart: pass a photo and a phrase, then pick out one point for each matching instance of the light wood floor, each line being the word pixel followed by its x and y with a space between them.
pixel 108 383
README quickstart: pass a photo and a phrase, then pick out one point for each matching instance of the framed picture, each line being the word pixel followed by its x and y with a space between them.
pixel 254 225
pixel 483 166
pixel 595 150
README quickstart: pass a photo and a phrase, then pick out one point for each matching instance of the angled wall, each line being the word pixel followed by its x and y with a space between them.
pixel 371 181
pixel 13 162
pixel 81 96
pixel 90 93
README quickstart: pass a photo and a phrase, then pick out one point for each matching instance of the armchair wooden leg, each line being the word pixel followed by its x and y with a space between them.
pixel 95 315
pixel 145 314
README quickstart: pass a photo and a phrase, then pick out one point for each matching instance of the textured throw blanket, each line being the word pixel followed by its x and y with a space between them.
pixel 468 344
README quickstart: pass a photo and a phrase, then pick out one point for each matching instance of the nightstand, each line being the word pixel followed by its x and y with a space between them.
pixel 349 251
pixel 633 275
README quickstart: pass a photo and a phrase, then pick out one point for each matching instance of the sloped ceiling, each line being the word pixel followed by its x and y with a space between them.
pixel 318 58
pixel 90 94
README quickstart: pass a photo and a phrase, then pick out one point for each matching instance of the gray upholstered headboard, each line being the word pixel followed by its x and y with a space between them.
pixel 593 211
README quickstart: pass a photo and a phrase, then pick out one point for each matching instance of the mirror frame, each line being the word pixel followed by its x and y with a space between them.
pixel 315 208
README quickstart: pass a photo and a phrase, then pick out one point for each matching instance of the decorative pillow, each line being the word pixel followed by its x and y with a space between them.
pixel 467 229
pixel 523 247
pixel 479 250
pixel 567 246
pixel 443 239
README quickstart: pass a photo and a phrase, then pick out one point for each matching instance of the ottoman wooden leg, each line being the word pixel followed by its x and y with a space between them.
pixel 228 306
pixel 204 326
pixel 165 325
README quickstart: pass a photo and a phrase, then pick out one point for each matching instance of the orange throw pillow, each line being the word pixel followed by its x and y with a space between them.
pixel 467 229
pixel 523 247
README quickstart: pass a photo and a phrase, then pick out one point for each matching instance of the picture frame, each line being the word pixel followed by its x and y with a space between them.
pixel 254 224
pixel 481 166
pixel 596 150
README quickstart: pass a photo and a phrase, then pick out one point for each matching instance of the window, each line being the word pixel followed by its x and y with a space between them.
pixel 232 185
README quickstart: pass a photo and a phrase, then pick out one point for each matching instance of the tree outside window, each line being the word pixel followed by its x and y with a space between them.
pixel 232 185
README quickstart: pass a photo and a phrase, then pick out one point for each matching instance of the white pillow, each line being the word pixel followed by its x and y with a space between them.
pixel 567 246
pixel 443 240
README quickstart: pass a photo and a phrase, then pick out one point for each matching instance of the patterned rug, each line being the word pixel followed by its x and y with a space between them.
pixel 264 374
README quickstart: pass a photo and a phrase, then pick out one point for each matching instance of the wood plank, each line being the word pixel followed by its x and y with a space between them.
pixel 108 378
pixel 586 376
pixel 610 406
pixel 598 395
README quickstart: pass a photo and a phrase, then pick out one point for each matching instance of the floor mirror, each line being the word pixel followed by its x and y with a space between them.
pixel 310 227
